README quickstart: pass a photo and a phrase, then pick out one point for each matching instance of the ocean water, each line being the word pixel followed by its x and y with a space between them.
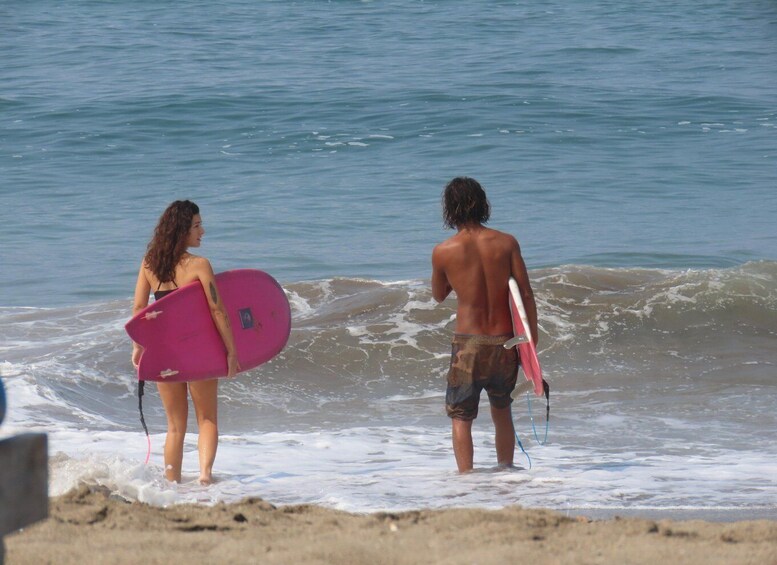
pixel 631 149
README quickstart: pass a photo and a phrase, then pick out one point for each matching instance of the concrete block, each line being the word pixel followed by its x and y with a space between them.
pixel 24 476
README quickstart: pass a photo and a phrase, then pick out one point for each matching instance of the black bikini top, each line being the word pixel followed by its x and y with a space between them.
pixel 160 293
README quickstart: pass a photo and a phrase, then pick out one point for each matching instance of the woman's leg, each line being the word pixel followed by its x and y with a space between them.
pixel 176 403
pixel 205 397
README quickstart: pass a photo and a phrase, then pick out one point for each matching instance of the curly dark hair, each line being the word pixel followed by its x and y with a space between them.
pixel 464 201
pixel 170 238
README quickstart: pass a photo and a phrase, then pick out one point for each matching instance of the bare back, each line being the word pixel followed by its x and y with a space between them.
pixel 185 272
pixel 477 264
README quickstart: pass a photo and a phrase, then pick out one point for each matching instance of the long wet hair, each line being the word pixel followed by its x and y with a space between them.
pixel 463 202
pixel 170 239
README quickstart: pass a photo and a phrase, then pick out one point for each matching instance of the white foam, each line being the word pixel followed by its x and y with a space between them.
pixel 299 306
pixel 407 467
pixel 422 396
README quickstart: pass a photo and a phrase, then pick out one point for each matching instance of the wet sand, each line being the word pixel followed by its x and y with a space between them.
pixel 91 527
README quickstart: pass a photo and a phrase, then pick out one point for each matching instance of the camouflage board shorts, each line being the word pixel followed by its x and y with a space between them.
pixel 480 362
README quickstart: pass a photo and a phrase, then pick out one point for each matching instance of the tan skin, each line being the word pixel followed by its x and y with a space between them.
pixel 204 393
pixel 477 264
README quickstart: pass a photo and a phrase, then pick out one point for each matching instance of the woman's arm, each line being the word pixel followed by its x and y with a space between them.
pixel 142 288
pixel 205 274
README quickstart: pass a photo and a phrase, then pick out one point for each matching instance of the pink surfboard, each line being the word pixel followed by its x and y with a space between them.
pixel 522 339
pixel 181 342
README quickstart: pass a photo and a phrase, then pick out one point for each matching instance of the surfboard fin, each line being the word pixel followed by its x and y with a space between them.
pixel 517 340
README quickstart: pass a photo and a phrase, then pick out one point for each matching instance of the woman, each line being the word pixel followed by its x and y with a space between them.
pixel 166 266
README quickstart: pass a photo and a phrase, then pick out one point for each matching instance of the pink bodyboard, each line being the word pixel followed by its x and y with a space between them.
pixel 529 361
pixel 181 342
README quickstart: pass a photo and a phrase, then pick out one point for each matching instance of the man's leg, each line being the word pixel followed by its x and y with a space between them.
pixel 505 373
pixel 462 444
pixel 505 435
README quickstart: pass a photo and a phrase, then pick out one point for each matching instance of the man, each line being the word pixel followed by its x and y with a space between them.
pixel 477 264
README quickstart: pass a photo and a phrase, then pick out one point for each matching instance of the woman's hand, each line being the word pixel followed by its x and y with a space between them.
pixel 233 367
pixel 137 351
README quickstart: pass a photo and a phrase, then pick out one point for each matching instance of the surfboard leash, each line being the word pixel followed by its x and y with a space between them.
pixel 518 441
pixel 141 389
pixel 546 392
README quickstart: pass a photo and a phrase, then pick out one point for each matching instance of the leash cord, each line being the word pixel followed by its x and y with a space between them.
pixel 141 387
pixel 518 440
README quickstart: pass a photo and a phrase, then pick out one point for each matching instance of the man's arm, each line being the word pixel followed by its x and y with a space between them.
pixel 441 288
pixel 521 275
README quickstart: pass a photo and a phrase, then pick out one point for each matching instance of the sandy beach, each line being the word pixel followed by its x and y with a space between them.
pixel 88 526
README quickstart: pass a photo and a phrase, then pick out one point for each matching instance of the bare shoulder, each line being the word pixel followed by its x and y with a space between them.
pixel 503 238
pixel 445 247
pixel 451 247
pixel 197 264
pixel 438 256
pixel 146 272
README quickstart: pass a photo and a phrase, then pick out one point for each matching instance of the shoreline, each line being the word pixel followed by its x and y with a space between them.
pixel 712 515
pixel 91 526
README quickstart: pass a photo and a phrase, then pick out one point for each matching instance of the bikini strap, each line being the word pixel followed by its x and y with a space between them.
pixel 160 285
